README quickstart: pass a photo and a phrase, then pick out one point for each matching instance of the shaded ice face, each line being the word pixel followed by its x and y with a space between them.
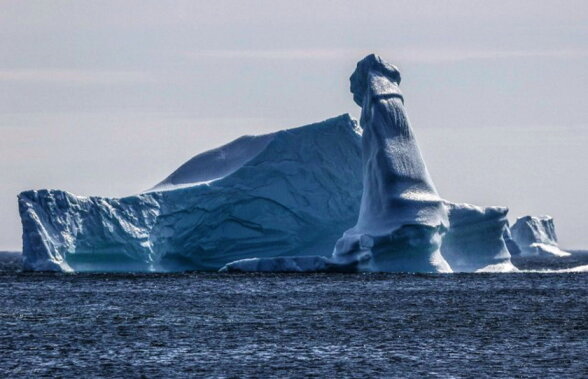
pixel 359 78
pixel 357 87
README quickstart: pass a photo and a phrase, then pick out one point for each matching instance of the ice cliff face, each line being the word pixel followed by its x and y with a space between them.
pixel 64 232
pixel 511 245
pixel 474 241
pixel 287 193
pixel 536 236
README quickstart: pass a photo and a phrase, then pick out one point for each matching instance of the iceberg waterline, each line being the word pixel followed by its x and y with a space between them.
pixel 473 243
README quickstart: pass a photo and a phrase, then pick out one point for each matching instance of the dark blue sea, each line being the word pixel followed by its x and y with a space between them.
pixel 279 325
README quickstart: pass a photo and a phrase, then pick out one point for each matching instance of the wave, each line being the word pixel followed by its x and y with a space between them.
pixel 583 268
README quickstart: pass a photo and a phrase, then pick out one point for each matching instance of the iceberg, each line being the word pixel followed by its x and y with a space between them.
pixel 64 232
pixel 325 197
pixel 403 225
pixel 535 236
pixel 475 239
pixel 10 260
pixel 401 218
pixel 292 193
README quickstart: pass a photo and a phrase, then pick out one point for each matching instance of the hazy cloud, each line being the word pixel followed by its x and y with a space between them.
pixel 75 76
pixel 420 55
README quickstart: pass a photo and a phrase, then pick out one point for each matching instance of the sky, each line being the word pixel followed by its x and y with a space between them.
pixel 109 97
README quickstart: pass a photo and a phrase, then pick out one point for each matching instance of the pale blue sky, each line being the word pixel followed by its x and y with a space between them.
pixel 108 97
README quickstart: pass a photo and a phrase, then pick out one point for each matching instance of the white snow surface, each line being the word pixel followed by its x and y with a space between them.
pixel 216 163
pixel 291 193
pixel 535 236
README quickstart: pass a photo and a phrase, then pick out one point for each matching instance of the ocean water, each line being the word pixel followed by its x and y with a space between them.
pixel 281 325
